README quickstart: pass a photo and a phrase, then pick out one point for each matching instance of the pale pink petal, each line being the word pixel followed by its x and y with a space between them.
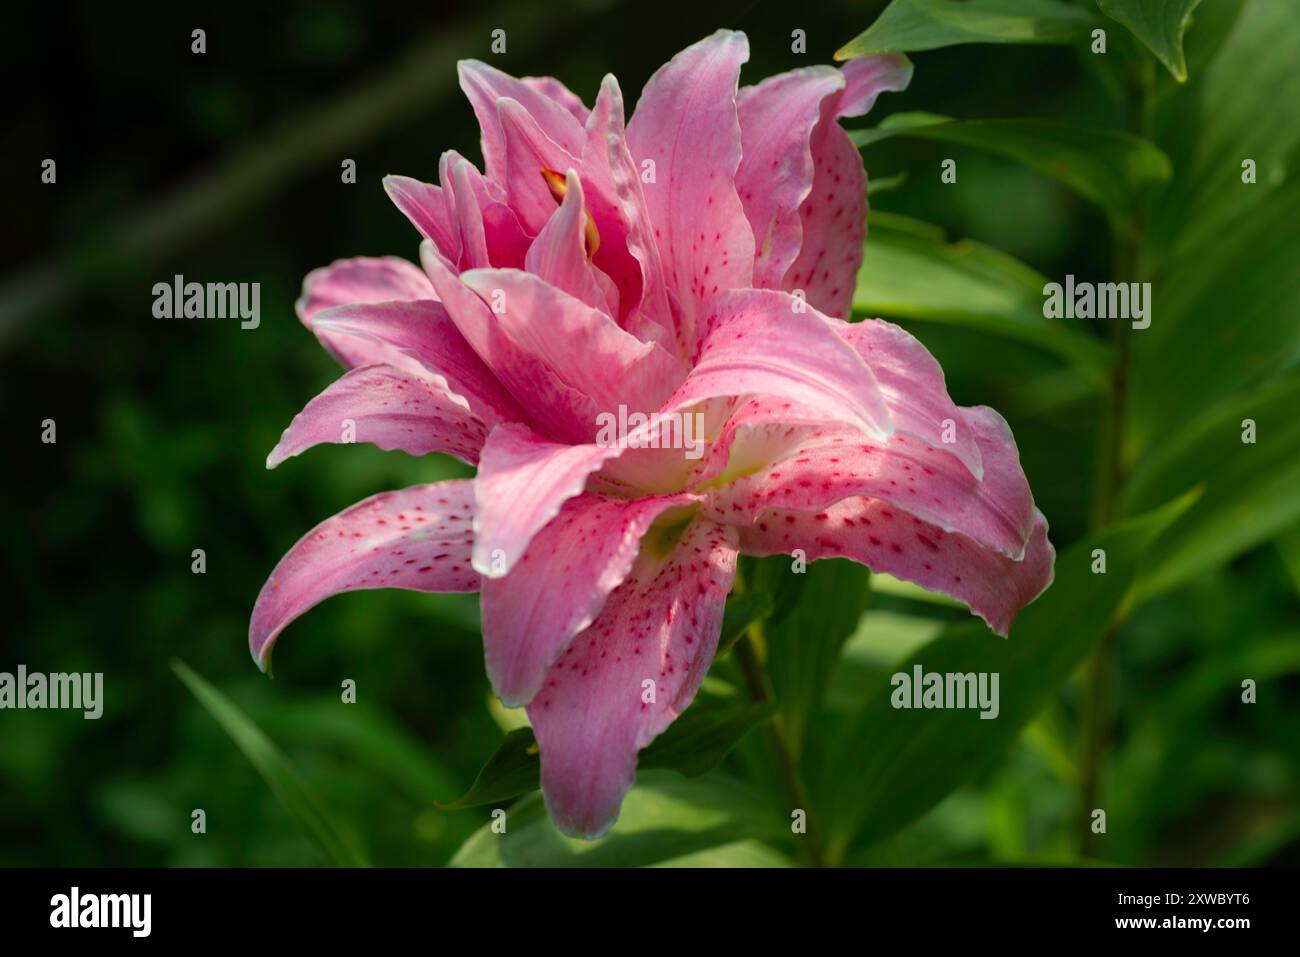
pixel 596 710
pixel 585 348
pixel 555 409
pixel 417 538
pixel 528 152
pixel 756 432
pixel 834 213
pixel 887 539
pixel 557 91
pixel 389 408
pixel 831 463
pixel 769 343
pixel 628 253
pixel 363 279
pixel 523 480
pixel 776 170
pixel 558 256
pixel 467 217
pixel 485 86
pixel 913 385
pixel 431 210
pixel 686 124
pixel 422 332
pixel 559 586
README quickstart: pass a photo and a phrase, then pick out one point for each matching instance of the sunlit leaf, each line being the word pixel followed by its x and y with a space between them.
pixel 693 744
pixel 929 24
pixel 910 272
pixel 1159 24
pixel 663 818
pixel 1109 167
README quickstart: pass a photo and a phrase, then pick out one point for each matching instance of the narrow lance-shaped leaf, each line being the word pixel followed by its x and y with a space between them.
pixel 1109 167
pixel 889 765
pixel 1159 24
pixel 910 272
pixel 338 845
pixel 1246 454
pixel 804 646
pixel 694 744
pixel 664 817
pixel 929 24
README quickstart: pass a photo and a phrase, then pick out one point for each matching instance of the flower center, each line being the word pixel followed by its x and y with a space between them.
pixel 555 181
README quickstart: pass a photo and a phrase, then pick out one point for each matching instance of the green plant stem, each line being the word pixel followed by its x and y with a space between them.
pixel 747 652
pixel 1111 473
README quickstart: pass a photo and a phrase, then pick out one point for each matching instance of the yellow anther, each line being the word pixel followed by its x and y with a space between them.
pixel 559 188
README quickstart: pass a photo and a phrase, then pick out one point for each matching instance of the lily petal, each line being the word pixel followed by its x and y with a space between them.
pixel 389 408
pixel 834 213
pixel 467 217
pixel 549 86
pixel 686 125
pixel 769 343
pixel 558 256
pixel 913 385
pixel 422 331
pixel 555 409
pixel 886 539
pixel 418 538
pixel 585 348
pixel 776 169
pixel 485 86
pixel 523 481
pixel 431 210
pixel 831 464
pixel 592 715
pixel 559 586
pixel 363 279
pixel 529 151
pixel 628 253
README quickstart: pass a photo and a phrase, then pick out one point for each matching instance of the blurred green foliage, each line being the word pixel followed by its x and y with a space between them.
pixel 163 429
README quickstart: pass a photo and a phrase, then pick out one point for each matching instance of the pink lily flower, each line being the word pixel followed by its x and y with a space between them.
pixel 696 263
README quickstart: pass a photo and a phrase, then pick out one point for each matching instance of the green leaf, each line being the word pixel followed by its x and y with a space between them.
pixel 1204 448
pixel 1251 490
pixel 741 611
pixel 1222 251
pixel 693 744
pixel 1109 167
pixel 910 272
pixel 665 817
pixel 338 844
pixel 907 25
pixel 1159 24
pixel 890 766
pixel 369 739
pixel 705 734
pixel 1244 104
pixel 804 646
pixel 739 854
pixel 1288 546
pixel 886 184
pixel 514 769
